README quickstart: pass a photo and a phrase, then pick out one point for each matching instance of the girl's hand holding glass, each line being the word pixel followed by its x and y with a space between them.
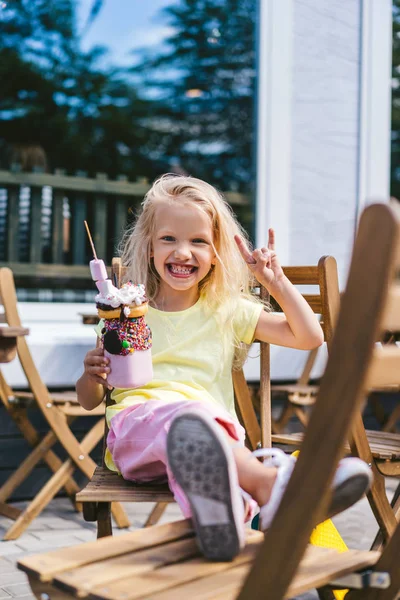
pixel 263 263
pixel 96 366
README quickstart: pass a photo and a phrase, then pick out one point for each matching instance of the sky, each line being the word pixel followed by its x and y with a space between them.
pixel 123 25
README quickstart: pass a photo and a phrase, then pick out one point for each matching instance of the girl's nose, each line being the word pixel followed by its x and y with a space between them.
pixel 182 252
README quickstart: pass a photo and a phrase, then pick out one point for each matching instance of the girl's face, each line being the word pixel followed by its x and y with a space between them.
pixel 182 247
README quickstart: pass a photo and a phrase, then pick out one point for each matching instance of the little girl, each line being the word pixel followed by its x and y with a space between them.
pixel 187 248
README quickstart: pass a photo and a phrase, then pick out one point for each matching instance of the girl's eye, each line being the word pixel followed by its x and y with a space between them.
pixel 199 241
pixel 168 238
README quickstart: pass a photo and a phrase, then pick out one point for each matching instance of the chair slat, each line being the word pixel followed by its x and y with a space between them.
pixel 170 580
pixel 319 571
pixel 131 564
pixel 314 300
pixel 46 566
pixel 302 275
pixel 385 367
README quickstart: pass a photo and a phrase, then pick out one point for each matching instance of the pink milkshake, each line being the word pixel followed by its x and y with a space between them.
pixel 125 335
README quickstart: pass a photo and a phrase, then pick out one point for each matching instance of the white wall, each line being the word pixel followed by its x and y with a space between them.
pixel 323 132
pixel 324 119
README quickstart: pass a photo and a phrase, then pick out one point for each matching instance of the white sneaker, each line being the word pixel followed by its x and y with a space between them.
pixel 351 481
pixel 203 464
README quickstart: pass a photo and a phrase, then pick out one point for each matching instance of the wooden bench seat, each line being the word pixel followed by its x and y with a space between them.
pixel 164 560
pixel 107 486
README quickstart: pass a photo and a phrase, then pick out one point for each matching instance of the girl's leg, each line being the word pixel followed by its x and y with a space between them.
pixel 254 478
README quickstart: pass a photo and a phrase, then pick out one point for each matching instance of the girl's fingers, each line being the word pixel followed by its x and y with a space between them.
pixel 271 239
pixel 101 381
pixel 98 370
pixel 243 249
pixel 96 360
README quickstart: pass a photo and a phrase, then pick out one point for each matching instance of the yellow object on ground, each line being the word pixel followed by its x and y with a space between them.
pixel 325 535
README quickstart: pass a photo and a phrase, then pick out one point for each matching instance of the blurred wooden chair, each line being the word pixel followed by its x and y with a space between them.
pixel 164 562
pixel 59 410
pixel 298 395
pixel 107 486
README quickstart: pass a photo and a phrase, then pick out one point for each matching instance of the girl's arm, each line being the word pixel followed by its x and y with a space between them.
pixel 298 327
pixel 91 386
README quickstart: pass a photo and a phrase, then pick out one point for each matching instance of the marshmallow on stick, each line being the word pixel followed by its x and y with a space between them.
pixel 125 336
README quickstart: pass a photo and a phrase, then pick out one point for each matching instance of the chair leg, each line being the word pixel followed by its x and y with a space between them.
pixel 104 525
pixel 395 504
pixel 156 514
pixel 26 467
pixel 390 424
pixel 90 512
pixel 301 415
pixel 285 416
pixel 382 509
pixel 50 458
pixel 119 515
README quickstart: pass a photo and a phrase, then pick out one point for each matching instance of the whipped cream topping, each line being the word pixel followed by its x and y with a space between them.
pixel 129 293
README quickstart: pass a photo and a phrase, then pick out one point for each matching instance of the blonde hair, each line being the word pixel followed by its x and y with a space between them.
pixel 227 281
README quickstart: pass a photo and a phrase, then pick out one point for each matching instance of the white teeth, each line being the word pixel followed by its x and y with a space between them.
pixel 180 269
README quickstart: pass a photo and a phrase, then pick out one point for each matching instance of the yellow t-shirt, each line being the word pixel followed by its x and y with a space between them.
pixel 192 357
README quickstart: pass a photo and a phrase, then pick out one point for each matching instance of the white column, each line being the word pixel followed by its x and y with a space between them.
pixel 375 102
pixel 273 127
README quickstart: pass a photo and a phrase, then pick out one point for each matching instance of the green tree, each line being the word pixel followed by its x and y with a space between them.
pixel 58 98
pixel 204 82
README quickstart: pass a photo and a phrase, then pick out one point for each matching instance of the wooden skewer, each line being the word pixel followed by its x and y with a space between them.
pixel 90 240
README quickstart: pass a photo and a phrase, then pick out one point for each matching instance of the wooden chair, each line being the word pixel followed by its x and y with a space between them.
pixel 298 395
pixel 163 562
pixel 59 410
pixel 378 448
pixel 107 486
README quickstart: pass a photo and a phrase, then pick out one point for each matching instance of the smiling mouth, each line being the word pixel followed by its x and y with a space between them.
pixel 181 270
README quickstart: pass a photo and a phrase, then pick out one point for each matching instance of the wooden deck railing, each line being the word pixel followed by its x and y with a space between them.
pixel 43 222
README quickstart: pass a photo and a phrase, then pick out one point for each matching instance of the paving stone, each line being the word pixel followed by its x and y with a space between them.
pixel 19 590
pixel 5 566
pixel 58 540
pixel 15 576
pixel 8 548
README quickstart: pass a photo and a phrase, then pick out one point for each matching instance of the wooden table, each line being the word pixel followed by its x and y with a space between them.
pixel 89 318
pixel 8 342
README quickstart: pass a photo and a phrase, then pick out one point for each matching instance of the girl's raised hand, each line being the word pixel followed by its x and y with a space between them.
pixel 263 263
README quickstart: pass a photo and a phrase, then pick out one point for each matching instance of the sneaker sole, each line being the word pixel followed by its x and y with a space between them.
pixel 202 463
pixel 348 493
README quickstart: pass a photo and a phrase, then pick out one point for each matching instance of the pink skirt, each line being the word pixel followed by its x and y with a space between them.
pixel 137 441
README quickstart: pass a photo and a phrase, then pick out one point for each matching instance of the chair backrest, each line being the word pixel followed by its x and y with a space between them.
pixel 370 304
pixel 325 301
